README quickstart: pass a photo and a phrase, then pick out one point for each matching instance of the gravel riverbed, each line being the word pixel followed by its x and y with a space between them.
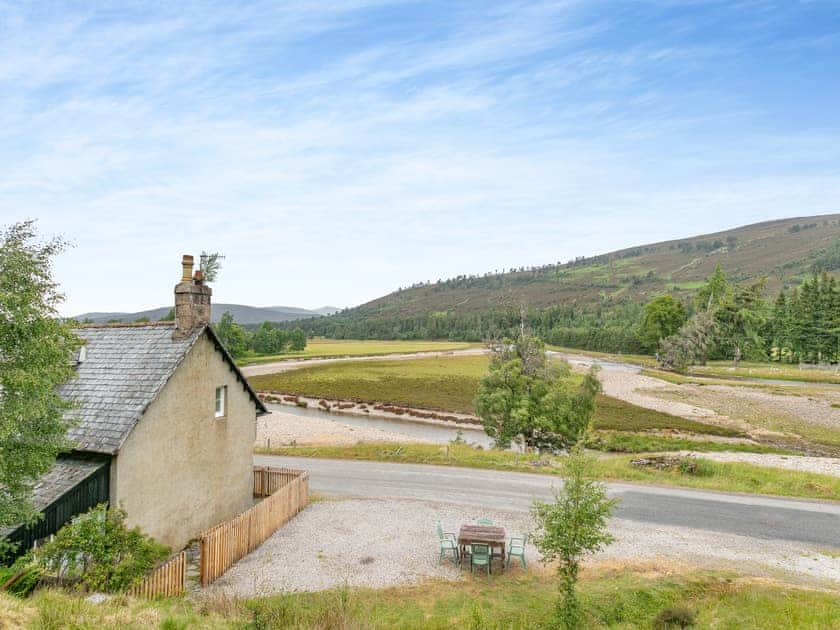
pixel 280 429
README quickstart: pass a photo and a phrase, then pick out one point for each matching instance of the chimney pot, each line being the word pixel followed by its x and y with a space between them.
pixel 187 266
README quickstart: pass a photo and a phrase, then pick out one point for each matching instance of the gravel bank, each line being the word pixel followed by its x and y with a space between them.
pixel 814 409
pixel 379 543
pixel 631 386
pixel 756 410
pixel 279 429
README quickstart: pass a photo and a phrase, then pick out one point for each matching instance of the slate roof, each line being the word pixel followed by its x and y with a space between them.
pixel 124 369
pixel 65 474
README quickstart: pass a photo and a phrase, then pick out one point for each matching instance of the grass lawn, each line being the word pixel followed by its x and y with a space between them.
pixel 725 477
pixel 449 384
pixel 329 348
pixel 623 597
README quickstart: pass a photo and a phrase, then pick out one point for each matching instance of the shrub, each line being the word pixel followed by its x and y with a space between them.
pixel 573 525
pixel 100 552
pixel 696 467
pixel 674 617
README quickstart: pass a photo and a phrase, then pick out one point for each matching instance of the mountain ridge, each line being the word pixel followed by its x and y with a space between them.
pixel 242 314
pixel 784 252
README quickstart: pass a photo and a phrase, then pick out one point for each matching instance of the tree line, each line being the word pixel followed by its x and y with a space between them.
pixel 608 329
pixel 266 339
pixel 732 322
pixel 736 322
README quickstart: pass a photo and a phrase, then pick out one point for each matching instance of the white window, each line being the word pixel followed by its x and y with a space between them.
pixel 221 401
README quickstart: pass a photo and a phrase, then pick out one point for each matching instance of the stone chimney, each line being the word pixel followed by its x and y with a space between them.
pixel 192 300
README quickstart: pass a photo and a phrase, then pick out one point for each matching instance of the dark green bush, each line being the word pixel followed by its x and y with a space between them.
pixel 98 551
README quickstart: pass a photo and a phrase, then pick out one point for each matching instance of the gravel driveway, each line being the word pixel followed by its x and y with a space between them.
pixel 358 542
pixel 379 543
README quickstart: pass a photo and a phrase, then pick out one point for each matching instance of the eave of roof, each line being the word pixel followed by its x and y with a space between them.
pixel 67 472
pixel 261 409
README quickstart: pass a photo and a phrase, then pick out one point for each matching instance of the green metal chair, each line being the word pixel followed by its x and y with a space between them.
pixel 487 521
pixel 516 548
pixel 480 556
pixel 448 545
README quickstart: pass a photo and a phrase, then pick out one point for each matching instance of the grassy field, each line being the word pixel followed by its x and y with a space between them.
pixel 449 384
pixel 623 597
pixel 773 386
pixel 769 371
pixel 723 370
pixel 446 383
pixel 329 348
pixel 629 442
pixel 618 415
pixel 725 477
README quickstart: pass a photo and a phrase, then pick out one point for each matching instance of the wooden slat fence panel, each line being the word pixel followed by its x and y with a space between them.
pixel 287 493
pixel 168 580
pixel 268 480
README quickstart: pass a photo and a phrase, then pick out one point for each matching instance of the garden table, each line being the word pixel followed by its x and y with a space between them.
pixel 491 535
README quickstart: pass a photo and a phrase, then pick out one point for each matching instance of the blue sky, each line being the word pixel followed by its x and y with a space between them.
pixel 334 151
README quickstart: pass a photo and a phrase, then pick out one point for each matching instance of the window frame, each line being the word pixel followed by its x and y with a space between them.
pixel 220 411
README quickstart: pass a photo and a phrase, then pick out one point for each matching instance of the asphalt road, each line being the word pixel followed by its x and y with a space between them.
pixel 746 515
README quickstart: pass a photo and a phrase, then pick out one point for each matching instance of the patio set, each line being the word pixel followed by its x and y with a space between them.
pixel 479 543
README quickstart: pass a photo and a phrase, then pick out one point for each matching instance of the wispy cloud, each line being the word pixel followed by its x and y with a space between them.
pixel 336 150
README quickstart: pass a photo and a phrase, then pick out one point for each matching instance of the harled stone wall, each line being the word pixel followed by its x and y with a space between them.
pixel 181 470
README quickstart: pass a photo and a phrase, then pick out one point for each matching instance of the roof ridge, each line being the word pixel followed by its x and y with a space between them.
pixel 125 324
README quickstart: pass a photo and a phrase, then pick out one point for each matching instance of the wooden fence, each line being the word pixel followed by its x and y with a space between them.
pixel 287 493
pixel 168 579
pixel 268 480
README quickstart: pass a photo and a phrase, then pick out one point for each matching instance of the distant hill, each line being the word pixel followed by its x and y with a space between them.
pixel 324 310
pixel 327 310
pixel 613 285
pixel 241 313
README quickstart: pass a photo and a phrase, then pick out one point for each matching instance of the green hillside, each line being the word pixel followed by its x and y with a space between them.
pixel 605 291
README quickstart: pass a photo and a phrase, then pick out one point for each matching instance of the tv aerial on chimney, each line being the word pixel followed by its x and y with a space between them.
pixel 210 265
